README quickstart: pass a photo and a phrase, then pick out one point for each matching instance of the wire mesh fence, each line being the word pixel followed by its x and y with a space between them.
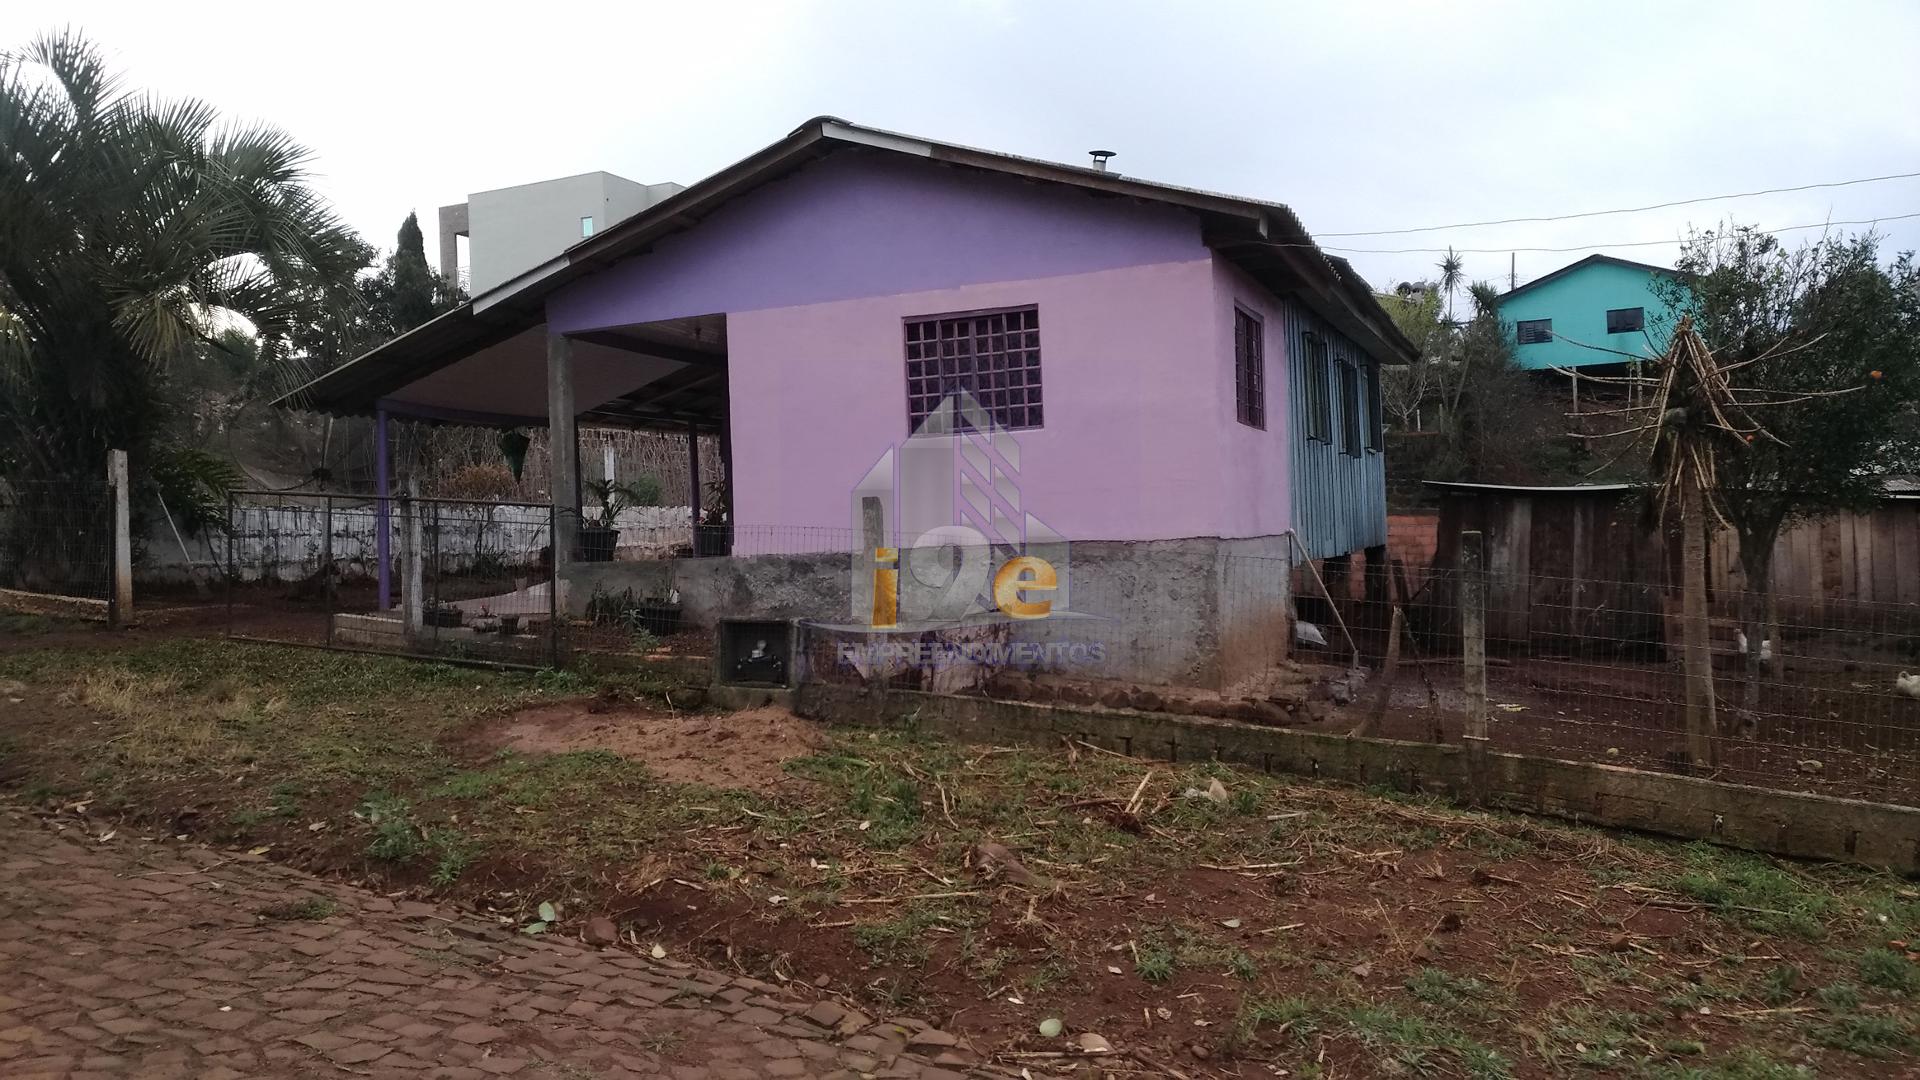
pixel 436 577
pixel 1595 670
pixel 1575 668
pixel 57 540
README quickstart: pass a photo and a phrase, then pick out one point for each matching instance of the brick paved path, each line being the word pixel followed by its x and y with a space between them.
pixel 134 958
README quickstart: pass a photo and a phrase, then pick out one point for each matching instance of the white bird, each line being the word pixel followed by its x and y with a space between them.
pixel 1908 685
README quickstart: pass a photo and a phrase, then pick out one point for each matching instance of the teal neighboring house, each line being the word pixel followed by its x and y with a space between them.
pixel 1612 304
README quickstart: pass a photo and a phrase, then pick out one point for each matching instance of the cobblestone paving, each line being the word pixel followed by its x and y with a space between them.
pixel 132 958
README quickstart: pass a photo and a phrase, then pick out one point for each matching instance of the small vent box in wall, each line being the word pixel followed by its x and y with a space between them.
pixel 754 652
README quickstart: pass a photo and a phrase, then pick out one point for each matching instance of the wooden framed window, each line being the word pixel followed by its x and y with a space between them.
pixel 1314 378
pixel 993 355
pixel 1249 369
pixel 1376 420
pixel 1626 320
pixel 1534 331
pixel 1349 381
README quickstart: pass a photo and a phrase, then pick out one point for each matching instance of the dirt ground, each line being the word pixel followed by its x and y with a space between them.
pixel 1289 926
pixel 746 750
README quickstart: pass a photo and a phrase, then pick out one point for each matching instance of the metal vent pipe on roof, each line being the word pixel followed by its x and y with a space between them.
pixel 1100 158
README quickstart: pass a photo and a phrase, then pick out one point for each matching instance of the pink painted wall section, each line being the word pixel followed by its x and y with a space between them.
pixel 855 225
pixel 1134 385
pixel 1256 499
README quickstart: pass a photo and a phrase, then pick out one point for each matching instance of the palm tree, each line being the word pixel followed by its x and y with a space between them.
pixel 134 230
pixel 1452 273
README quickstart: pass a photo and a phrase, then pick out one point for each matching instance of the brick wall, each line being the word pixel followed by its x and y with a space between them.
pixel 1412 537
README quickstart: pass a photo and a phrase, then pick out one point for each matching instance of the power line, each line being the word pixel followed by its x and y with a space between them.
pixel 1593 247
pixel 1629 209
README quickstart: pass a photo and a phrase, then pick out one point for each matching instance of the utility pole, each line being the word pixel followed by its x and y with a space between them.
pixel 1513 275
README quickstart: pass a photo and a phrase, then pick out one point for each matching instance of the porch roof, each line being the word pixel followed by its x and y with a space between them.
pixel 1265 239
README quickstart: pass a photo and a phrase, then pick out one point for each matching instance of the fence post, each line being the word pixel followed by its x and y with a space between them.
pixel 413 613
pixel 326 560
pixel 553 586
pixel 430 581
pixel 230 529
pixel 120 613
pixel 1473 653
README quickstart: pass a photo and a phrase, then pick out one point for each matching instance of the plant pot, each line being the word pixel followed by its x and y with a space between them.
pixel 658 617
pixel 710 541
pixel 595 544
pixel 444 618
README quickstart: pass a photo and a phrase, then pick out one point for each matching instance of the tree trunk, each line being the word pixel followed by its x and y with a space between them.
pixel 1703 747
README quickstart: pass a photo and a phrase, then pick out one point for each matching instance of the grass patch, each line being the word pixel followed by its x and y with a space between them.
pixel 902 939
pixel 1267 1016
pixel 1868 1036
pixel 1454 993
pixel 1889 970
pixel 15 624
pixel 1745 1064
pixel 1754 892
pixel 1411 1042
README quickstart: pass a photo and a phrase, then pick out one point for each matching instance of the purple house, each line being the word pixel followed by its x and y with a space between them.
pixel 1178 367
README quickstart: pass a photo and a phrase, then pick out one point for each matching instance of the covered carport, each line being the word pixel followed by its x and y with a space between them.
pixel 502 368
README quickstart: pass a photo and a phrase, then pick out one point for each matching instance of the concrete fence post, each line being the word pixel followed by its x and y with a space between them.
pixel 1473 652
pixel 120 614
pixel 412 580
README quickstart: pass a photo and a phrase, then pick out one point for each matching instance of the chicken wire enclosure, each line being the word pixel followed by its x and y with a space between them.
pixel 1594 670
pixel 57 539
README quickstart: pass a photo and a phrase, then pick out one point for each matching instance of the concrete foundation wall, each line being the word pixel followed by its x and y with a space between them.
pixel 1198 612
pixel 1756 819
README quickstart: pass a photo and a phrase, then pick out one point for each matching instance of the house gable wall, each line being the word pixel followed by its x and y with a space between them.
pixel 857 225
pixel 1578 304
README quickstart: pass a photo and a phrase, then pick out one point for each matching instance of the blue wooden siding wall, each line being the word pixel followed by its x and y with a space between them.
pixel 1339 501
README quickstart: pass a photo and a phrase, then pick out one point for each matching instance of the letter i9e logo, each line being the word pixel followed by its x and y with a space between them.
pixel 886 588
pixel 942 537
pixel 1024 573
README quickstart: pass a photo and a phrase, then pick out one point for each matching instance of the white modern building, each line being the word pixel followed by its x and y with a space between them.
pixel 513 229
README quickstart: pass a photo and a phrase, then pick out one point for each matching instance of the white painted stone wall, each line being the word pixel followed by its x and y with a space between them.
pixel 285 543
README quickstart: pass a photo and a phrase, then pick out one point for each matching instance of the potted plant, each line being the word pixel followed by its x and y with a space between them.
pixel 599 533
pixel 714 535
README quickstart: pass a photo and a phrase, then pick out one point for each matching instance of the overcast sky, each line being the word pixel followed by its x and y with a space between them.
pixel 1359 116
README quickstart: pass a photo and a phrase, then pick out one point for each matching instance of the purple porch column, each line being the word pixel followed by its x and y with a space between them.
pixel 383 514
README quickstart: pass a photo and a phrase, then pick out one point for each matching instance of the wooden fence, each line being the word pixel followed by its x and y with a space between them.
pixel 1845 559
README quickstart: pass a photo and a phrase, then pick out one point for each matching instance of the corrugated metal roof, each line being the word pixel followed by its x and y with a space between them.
pixel 1265 238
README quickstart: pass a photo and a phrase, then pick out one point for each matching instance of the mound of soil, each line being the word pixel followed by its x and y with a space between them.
pixel 742 750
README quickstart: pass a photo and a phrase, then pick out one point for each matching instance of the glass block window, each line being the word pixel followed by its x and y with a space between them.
pixel 994 355
pixel 1376 427
pixel 1249 370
